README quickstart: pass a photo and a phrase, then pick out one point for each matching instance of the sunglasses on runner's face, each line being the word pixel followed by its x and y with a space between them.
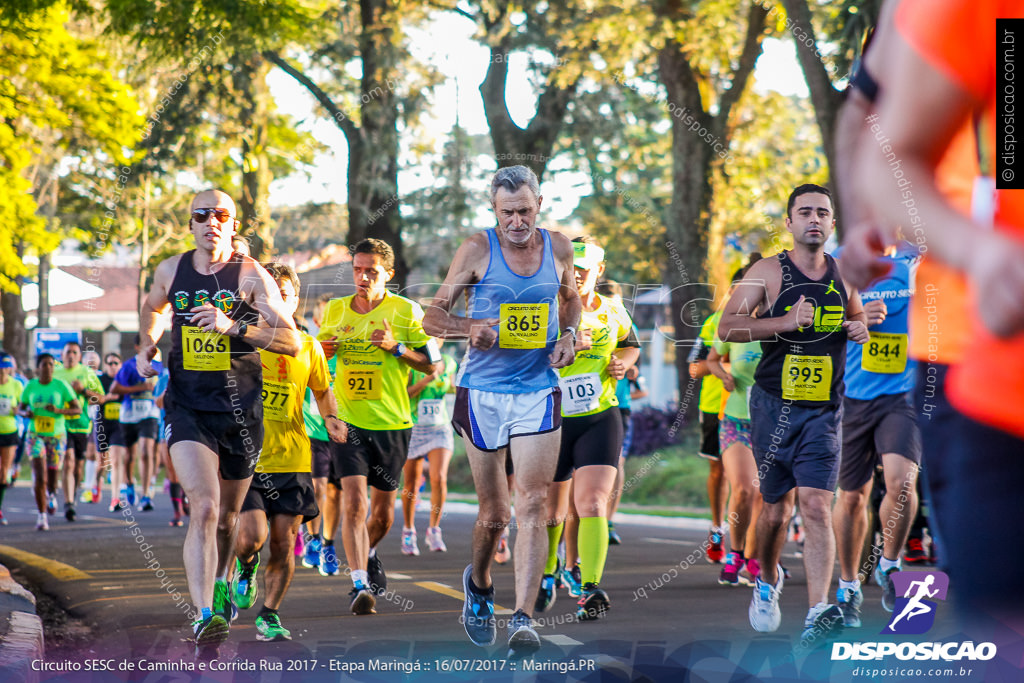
pixel 202 215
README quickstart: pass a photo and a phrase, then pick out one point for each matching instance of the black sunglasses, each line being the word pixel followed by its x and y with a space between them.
pixel 202 215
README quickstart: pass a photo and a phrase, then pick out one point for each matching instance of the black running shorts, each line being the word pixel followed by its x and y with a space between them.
pixel 8 440
pixel 131 432
pixel 377 454
pixel 282 493
pixel 237 438
pixel 78 441
pixel 886 424
pixel 793 445
pixel 321 458
pixel 589 440
pixel 709 436
pixel 107 434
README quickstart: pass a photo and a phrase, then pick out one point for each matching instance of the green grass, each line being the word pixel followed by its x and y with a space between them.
pixel 671 482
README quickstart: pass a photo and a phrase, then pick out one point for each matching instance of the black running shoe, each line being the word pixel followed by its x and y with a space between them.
pixel 546 595
pixel 211 631
pixel 522 638
pixel 593 603
pixel 69 512
pixel 613 535
pixel 821 625
pixel 375 575
pixel 362 600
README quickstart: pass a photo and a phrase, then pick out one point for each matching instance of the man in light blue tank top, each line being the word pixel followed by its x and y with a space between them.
pixel 522 313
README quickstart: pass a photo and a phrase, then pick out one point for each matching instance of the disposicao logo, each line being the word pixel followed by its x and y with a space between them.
pixel 914 614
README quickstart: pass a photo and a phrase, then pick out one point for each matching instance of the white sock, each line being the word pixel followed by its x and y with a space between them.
pixel 407 529
pixel 820 607
pixel 850 585
pixel 373 552
pixel 359 576
pixel 90 474
pixel 887 564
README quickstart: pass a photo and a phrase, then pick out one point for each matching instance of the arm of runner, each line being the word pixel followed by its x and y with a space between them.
pixel 738 323
pixel 384 339
pixel 856 323
pixel 151 316
pixel 280 335
pixel 919 124
pixel 328 405
pixel 70 409
pixel 876 312
pixel 121 390
pixel 622 360
pixel 570 308
pixel 864 237
pixel 715 367
pixel 438 320
pixel 417 388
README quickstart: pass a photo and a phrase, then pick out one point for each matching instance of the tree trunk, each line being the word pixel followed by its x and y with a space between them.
pixel 825 99
pixel 531 146
pixel 15 332
pixel 373 202
pixel 254 120
pixel 693 159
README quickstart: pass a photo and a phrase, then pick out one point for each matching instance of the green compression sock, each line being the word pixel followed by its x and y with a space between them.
pixel 554 535
pixel 593 545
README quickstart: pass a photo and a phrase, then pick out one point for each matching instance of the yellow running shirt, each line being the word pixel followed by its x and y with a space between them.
pixel 285 444
pixel 10 397
pixel 371 383
pixel 586 386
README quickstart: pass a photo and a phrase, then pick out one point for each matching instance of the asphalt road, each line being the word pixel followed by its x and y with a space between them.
pixel 669 618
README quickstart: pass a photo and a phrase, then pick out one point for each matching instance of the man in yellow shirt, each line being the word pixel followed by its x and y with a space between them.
pixel 378 337
pixel 281 491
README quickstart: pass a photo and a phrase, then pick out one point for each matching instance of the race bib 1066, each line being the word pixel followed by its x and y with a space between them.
pixel 204 351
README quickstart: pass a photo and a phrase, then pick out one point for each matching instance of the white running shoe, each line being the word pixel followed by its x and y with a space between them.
pixel 409 546
pixel 764 612
pixel 434 540
pixel 41 522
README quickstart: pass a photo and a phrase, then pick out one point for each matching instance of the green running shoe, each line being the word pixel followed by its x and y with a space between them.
pixel 269 628
pixel 244 586
pixel 222 604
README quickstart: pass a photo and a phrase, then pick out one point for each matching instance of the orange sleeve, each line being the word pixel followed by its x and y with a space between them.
pixel 947 34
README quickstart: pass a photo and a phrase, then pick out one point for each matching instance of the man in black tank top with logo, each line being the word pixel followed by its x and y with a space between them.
pixel 798 306
pixel 214 412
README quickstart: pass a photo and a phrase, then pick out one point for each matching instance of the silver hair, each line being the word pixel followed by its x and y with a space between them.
pixel 512 178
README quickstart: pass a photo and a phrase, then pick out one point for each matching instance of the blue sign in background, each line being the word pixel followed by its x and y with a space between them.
pixel 53 341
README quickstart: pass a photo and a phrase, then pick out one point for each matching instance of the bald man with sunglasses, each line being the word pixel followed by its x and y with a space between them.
pixel 214 415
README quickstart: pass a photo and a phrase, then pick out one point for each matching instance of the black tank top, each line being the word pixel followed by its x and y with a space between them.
pixel 210 371
pixel 806 366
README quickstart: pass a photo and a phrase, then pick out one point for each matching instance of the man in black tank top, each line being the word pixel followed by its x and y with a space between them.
pixel 214 413
pixel 799 308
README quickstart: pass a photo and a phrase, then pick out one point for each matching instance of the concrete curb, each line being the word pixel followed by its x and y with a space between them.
pixel 21 631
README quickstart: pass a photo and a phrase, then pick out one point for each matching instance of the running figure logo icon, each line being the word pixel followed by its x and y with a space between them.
pixel 913 613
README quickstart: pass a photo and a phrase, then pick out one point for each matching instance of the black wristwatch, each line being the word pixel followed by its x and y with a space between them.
pixel 242 327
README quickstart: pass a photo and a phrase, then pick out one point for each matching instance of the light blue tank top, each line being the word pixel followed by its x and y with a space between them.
pixel 512 370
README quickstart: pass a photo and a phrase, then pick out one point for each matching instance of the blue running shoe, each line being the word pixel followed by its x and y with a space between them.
pixel 573 581
pixel 328 560
pixel 849 602
pixel 478 613
pixel 311 553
